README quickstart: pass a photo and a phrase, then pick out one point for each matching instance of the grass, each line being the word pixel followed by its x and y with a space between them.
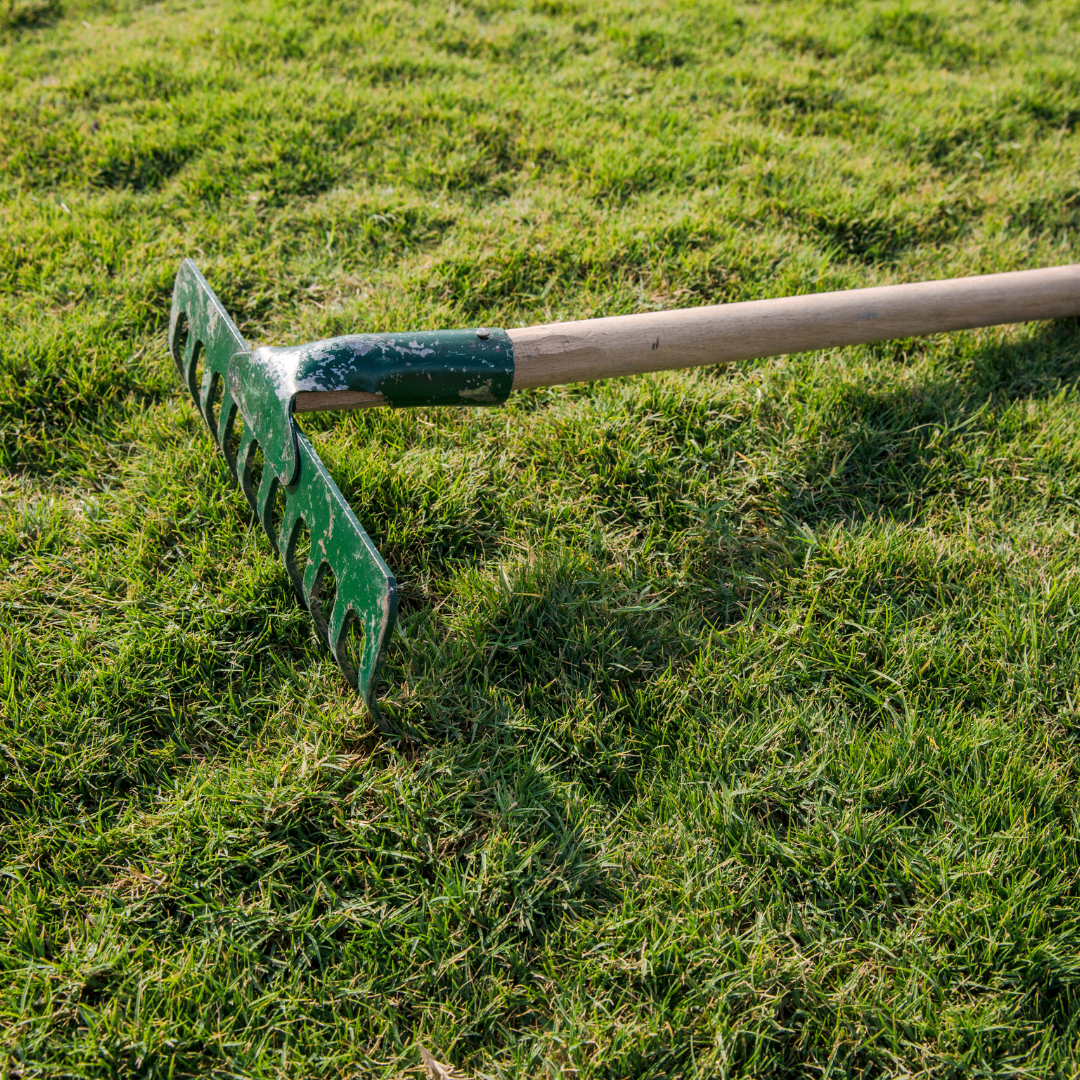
pixel 746 698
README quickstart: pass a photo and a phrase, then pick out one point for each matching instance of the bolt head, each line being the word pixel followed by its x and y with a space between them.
pixel 483 334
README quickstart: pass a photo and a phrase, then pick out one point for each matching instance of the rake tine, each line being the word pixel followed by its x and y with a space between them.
pixel 245 454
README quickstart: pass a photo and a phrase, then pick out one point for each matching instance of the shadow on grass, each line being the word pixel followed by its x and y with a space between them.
pixel 566 640
pixel 16 15
pixel 900 449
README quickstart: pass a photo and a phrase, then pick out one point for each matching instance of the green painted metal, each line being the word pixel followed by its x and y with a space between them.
pixel 441 367
pixel 431 367
pixel 343 581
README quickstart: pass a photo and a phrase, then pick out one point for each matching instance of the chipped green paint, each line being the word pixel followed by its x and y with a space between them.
pixel 259 387
pixel 437 367
pixel 355 620
pixel 432 367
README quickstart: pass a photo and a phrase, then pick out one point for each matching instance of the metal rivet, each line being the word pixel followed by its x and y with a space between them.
pixel 483 334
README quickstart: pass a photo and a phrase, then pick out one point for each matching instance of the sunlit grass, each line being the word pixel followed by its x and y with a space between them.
pixel 745 700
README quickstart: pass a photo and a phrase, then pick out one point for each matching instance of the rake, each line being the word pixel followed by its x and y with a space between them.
pixel 343 581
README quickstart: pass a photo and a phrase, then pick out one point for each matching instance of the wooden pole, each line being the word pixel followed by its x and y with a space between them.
pixel 691 337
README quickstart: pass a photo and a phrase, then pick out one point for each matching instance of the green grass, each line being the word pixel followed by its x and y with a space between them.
pixel 746 699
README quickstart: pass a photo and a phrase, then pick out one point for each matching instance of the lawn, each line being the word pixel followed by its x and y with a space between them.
pixel 737 709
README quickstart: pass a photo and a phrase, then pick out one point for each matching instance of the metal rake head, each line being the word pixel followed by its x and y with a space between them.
pixel 343 581
pixel 247 397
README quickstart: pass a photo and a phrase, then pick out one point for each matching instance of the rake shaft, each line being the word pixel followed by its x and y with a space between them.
pixel 664 340
pixel 569 352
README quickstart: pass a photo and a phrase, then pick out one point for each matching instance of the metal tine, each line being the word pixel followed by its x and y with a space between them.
pixel 314 581
pixel 337 637
pixel 313 574
pixel 211 379
pixel 267 494
pixel 188 361
pixel 178 354
pixel 204 398
pixel 245 455
pixel 195 349
pixel 291 523
pixel 226 422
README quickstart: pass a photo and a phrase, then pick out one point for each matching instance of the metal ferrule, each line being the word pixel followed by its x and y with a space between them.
pixel 434 367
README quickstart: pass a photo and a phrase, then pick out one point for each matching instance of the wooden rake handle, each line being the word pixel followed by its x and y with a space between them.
pixel 720 333
pixel 690 337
